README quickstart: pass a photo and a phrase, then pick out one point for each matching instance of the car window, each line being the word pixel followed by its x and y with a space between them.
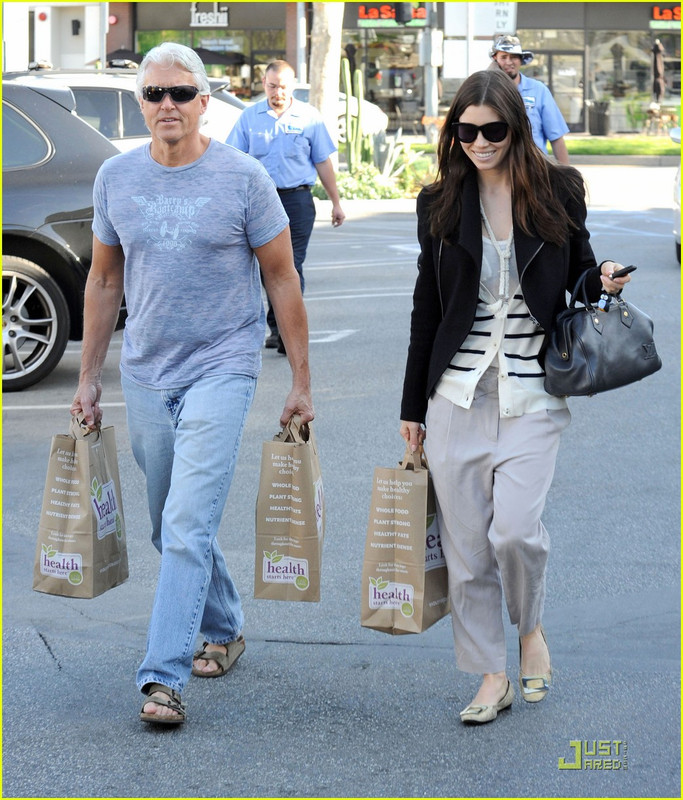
pixel 99 108
pixel 23 144
pixel 133 121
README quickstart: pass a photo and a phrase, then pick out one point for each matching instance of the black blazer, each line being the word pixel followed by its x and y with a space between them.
pixel 447 289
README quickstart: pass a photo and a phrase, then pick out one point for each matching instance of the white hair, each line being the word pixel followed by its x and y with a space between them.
pixel 168 54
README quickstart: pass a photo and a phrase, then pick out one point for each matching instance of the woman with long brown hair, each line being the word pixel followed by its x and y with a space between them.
pixel 502 239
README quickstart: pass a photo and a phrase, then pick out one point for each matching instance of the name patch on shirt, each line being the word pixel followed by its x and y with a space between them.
pixel 529 101
pixel 292 127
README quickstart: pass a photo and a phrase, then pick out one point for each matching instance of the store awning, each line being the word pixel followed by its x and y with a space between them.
pixel 123 54
pixel 214 57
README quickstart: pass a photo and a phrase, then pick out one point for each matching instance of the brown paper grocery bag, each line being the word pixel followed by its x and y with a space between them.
pixel 290 517
pixel 81 547
pixel 405 581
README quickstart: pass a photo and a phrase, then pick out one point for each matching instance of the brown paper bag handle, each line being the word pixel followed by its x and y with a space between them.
pixel 414 460
pixel 79 429
pixel 294 431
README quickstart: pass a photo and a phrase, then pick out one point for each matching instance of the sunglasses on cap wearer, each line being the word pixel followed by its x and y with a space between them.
pixel 492 131
pixel 179 94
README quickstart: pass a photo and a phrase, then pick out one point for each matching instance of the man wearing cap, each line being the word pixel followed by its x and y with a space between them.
pixel 547 122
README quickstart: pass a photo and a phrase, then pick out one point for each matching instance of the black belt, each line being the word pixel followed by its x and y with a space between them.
pixel 303 188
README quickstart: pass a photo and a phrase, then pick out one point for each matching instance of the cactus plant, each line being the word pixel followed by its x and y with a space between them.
pixel 359 148
pixel 348 117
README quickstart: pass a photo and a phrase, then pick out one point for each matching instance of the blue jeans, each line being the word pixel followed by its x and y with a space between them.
pixel 186 442
pixel 300 209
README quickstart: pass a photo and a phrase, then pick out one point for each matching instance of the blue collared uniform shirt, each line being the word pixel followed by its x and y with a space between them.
pixel 289 147
pixel 547 122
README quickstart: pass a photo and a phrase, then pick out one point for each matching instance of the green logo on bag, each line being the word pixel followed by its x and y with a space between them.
pixel 65 566
pixel 388 594
pixel 103 500
pixel 279 568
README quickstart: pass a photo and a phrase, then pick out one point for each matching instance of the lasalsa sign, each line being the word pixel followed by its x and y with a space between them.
pixel 378 15
pixel 665 18
pixel 666 13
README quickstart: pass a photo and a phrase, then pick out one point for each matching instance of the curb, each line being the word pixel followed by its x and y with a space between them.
pixel 629 161
pixel 358 209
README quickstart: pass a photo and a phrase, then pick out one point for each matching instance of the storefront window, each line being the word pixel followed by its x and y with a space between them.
pixel 611 71
pixel 620 72
pixel 241 55
pixel 620 64
pixel 559 63
pixel 551 39
pixel 146 40
pixel 389 61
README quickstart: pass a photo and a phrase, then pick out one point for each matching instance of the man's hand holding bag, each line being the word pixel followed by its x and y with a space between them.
pixel 81 547
pixel 290 517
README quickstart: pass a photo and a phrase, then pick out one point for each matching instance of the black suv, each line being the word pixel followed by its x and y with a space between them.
pixel 49 161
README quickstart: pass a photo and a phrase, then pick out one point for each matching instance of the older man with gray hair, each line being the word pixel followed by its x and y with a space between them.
pixel 179 225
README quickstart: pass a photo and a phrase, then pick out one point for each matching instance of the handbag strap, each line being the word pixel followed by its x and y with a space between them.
pixel 618 301
pixel 580 286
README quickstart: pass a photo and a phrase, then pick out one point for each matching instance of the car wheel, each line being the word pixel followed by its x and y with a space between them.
pixel 35 323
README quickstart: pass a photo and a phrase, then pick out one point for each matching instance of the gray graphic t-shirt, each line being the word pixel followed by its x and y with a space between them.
pixel 192 283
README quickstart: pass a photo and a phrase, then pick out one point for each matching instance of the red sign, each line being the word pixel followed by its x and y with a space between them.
pixel 673 14
pixel 386 11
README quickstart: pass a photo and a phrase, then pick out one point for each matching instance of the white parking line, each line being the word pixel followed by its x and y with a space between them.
pixel 393 261
pixel 310 297
pixel 55 407
pixel 321 337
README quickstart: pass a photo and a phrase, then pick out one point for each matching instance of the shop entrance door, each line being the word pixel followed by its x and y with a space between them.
pixel 563 74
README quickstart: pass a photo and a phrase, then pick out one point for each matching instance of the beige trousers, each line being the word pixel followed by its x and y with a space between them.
pixel 491 477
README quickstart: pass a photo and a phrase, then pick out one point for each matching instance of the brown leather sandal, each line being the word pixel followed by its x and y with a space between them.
pixel 173 702
pixel 224 660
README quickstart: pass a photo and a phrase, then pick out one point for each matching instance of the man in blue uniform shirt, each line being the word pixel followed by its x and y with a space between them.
pixel 547 122
pixel 291 141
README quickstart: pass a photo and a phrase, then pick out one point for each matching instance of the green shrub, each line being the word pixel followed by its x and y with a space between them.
pixel 411 172
pixel 408 173
pixel 367 183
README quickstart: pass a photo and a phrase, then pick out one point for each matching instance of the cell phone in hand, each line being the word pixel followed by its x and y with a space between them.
pixel 621 272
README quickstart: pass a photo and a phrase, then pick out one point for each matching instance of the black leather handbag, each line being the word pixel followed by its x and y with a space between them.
pixel 591 350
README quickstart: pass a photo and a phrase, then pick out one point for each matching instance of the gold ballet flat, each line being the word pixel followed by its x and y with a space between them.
pixel 535 687
pixel 479 714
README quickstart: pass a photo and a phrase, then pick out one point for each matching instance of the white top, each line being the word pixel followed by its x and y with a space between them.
pixel 503 337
